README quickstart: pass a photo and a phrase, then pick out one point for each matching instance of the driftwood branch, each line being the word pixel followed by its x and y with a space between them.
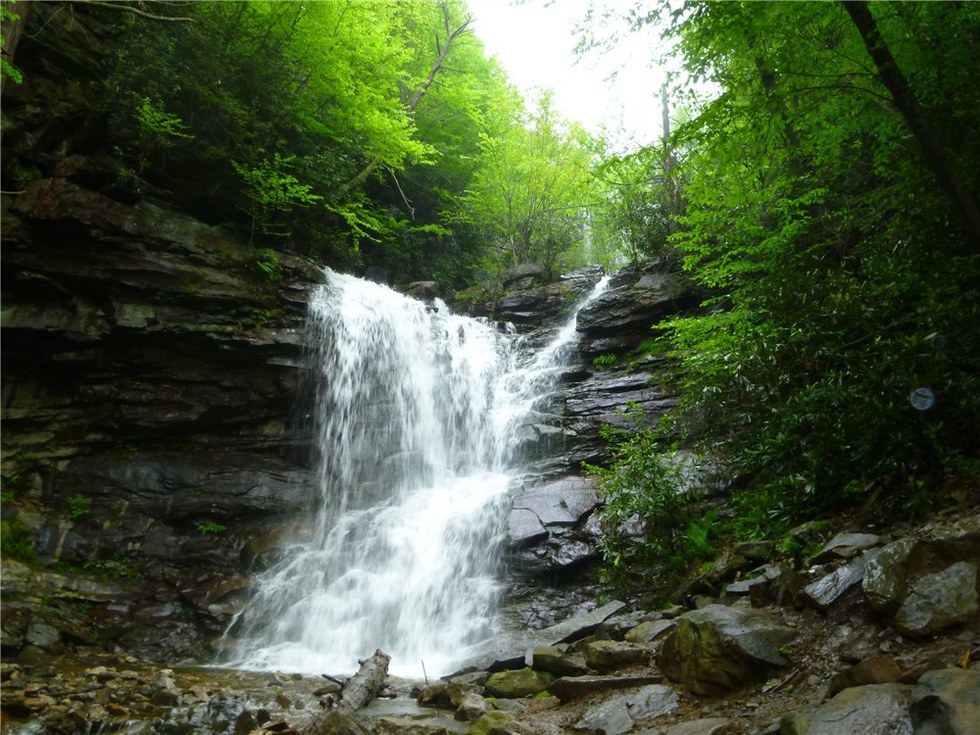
pixel 358 692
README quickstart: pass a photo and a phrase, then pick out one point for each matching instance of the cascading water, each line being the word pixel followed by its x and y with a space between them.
pixel 416 417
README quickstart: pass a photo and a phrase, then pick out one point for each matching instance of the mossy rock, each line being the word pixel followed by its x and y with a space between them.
pixel 518 684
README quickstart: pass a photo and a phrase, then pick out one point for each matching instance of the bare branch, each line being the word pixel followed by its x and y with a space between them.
pixel 136 11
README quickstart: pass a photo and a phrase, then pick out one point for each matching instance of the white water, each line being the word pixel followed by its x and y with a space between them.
pixel 416 417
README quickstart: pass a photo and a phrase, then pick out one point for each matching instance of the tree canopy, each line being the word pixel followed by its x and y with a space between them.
pixel 827 213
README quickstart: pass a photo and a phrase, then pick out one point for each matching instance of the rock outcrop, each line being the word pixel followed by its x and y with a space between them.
pixel 152 365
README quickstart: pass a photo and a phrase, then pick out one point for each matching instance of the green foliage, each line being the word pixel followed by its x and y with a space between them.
pixel 651 525
pixel 604 361
pixel 211 528
pixel 7 69
pixel 16 541
pixel 158 125
pixel 272 191
pixel 79 507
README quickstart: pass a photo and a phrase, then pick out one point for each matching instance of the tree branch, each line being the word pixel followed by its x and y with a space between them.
pixel 136 11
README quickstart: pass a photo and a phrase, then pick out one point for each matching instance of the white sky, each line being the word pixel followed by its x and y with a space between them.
pixel 534 40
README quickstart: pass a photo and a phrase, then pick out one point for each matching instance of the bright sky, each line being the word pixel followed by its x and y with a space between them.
pixel 534 40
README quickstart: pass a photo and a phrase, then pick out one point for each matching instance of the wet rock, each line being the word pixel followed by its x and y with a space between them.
pixel 826 591
pixel 524 528
pixel 875 709
pixel 519 683
pixel 581 626
pixel 947 702
pixel 874 670
pixel 719 649
pixel 568 688
pixel 635 300
pixel 615 655
pixel 940 600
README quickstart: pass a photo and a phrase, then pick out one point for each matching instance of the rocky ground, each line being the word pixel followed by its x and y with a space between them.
pixel 875 633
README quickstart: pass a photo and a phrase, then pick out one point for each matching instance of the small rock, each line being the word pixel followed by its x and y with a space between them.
pixel 471 708
pixel 754 550
pixel 875 670
pixel 652 701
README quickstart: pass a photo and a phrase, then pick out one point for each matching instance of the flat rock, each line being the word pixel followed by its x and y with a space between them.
pixel 705 726
pixel 524 528
pixel 568 688
pixel 763 575
pixel 875 709
pixel 561 503
pixel 580 626
pixel 826 591
pixel 844 546
pixel 650 630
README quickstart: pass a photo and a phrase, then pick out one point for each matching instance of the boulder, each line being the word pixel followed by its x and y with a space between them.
pixel 947 702
pixel 940 600
pixel 875 709
pixel 518 683
pixel 719 649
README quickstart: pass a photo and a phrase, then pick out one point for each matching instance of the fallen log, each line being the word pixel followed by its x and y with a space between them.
pixel 360 689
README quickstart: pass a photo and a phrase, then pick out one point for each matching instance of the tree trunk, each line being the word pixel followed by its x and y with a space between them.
pixel 908 106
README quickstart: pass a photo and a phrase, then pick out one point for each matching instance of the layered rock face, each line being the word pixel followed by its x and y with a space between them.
pixel 613 377
pixel 151 370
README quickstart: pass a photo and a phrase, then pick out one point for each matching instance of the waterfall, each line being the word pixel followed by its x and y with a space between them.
pixel 416 419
